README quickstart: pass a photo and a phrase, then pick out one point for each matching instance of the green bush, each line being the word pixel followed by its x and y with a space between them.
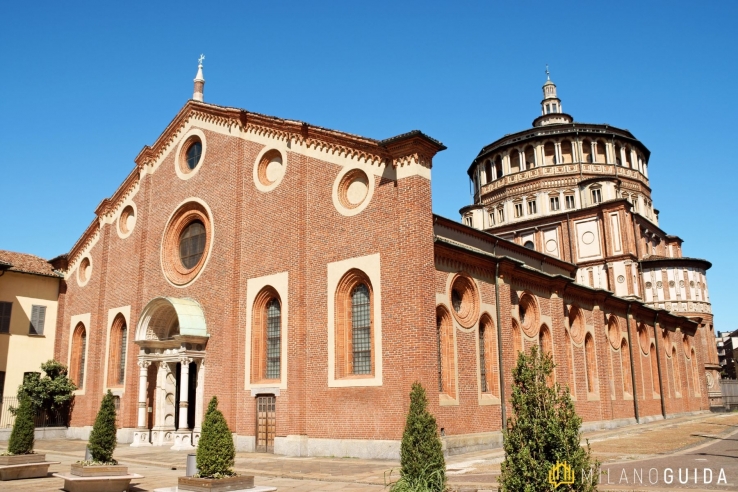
pixel 544 430
pixel 22 437
pixel 422 466
pixel 215 452
pixel 54 391
pixel 103 437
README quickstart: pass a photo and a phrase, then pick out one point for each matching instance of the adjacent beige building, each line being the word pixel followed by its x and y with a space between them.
pixel 29 289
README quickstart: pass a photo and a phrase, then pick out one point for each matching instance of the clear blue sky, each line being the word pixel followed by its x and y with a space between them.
pixel 85 86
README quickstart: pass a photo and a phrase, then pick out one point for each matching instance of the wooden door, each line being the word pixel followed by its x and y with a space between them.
pixel 266 423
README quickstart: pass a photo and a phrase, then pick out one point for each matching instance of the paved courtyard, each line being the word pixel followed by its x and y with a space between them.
pixel 686 443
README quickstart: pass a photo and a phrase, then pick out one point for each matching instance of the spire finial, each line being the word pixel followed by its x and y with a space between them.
pixel 199 80
pixel 547 73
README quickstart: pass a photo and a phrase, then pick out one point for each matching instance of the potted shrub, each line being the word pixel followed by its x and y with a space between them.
pixel 20 461
pixel 215 457
pixel 102 473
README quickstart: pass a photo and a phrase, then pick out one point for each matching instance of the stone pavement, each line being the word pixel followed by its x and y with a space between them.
pixel 685 440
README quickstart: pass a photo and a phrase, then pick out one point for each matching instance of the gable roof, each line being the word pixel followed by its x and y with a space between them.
pixel 26 263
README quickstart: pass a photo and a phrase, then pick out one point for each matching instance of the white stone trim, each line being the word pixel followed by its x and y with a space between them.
pixel 112 313
pixel 280 283
pixel 178 164
pixel 370 266
pixel 274 145
pixel 164 235
pixel 73 322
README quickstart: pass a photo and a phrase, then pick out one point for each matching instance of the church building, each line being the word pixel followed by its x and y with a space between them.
pixel 299 274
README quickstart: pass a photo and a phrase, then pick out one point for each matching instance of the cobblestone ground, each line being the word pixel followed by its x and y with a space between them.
pixel 702 441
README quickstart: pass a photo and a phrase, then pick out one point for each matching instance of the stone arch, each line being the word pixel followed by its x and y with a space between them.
pixel 163 318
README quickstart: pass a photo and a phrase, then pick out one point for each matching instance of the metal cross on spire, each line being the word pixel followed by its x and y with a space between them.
pixel 202 57
pixel 547 73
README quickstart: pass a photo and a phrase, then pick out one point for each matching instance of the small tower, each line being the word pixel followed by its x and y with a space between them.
pixel 199 81
pixel 551 110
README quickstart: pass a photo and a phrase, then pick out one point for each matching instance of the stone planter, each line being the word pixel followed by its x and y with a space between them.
pixel 21 459
pixel 239 482
pixel 98 470
pixel 24 466
pixel 107 483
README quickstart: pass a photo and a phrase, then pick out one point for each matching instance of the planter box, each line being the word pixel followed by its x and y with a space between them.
pixel 239 482
pixel 99 470
pixel 26 470
pixel 22 459
pixel 119 483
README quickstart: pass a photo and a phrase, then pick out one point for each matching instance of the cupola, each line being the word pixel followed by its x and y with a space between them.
pixel 551 110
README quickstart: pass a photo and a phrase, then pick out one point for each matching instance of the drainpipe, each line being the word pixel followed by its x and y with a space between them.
pixel 568 232
pixel 656 331
pixel 499 344
pixel 632 367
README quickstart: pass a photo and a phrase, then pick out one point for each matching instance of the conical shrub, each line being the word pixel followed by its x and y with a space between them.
pixel 22 436
pixel 421 452
pixel 215 451
pixel 103 437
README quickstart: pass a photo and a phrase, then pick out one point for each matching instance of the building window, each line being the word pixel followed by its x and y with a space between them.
pixel 654 370
pixel 501 215
pixel 79 347
pixel 194 151
pixel 192 244
pixel 117 351
pixel 529 245
pixel 532 208
pixel 5 309
pixel 625 362
pixel 38 319
pixel 492 218
pixel 446 356
pixel 483 359
pixel 468 220
pixel 266 334
pixel 596 195
pixel 569 201
pixel 553 107
pixel 591 364
pixel 554 203
pixel 354 335
pixel 518 210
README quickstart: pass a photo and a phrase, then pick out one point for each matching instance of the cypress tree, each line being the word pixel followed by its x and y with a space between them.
pixel 543 431
pixel 215 452
pixel 22 436
pixel 103 437
pixel 421 453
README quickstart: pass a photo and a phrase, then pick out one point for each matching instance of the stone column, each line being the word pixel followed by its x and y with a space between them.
pixel 143 369
pixel 184 379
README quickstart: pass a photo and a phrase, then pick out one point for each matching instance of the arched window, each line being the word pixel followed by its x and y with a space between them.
pixel 530 157
pixel 498 167
pixel 354 325
pixel 487 352
pixel 117 351
pixel 545 346
pixel 266 337
pixel 601 152
pixel 79 349
pixel 488 172
pixel 654 370
pixel 589 352
pixel 549 154
pixel 625 362
pixel 517 341
pixel 566 152
pixel 695 373
pixel 587 154
pixel 514 161
pixel 677 375
pixel 446 355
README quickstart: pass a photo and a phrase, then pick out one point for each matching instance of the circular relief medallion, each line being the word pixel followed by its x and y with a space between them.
pixel 464 300
pixel 671 283
pixel 613 333
pixel 691 283
pixel 576 325
pixel 621 279
pixel 84 271
pixel 659 284
pixel 710 380
pixel 551 245
pixel 588 237
pixel 649 285
pixel 126 221
pixel 681 283
pixel 186 243
pixel 528 314
pixel 352 191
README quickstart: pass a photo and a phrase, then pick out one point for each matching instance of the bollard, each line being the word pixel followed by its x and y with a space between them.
pixel 191 465
pixel 88 454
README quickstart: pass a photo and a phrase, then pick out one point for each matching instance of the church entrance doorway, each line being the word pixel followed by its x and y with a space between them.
pixel 266 423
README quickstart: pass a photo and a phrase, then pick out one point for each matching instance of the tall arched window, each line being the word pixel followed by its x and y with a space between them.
pixel 677 374
pixel 654 369
pixel 517 341
pixel 354 326
pixel 570 361
pixel 487 352
pixel 446 353
pixel 488 172
pixel 79 348
pixel 625 362
pixel 546 346
pixel 266 337
pixel 117 351
pixel 589 352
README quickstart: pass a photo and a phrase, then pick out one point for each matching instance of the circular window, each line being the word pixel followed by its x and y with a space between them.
pixel 464 300
pixel 126 221
pixel 352 191
pixel 529 245
pixel 84 271
pixel 528 314
pixel 271 168
pixel 576 325
pixel 621 279
pixel 190 154
pixel 193 154
pixel 186 243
